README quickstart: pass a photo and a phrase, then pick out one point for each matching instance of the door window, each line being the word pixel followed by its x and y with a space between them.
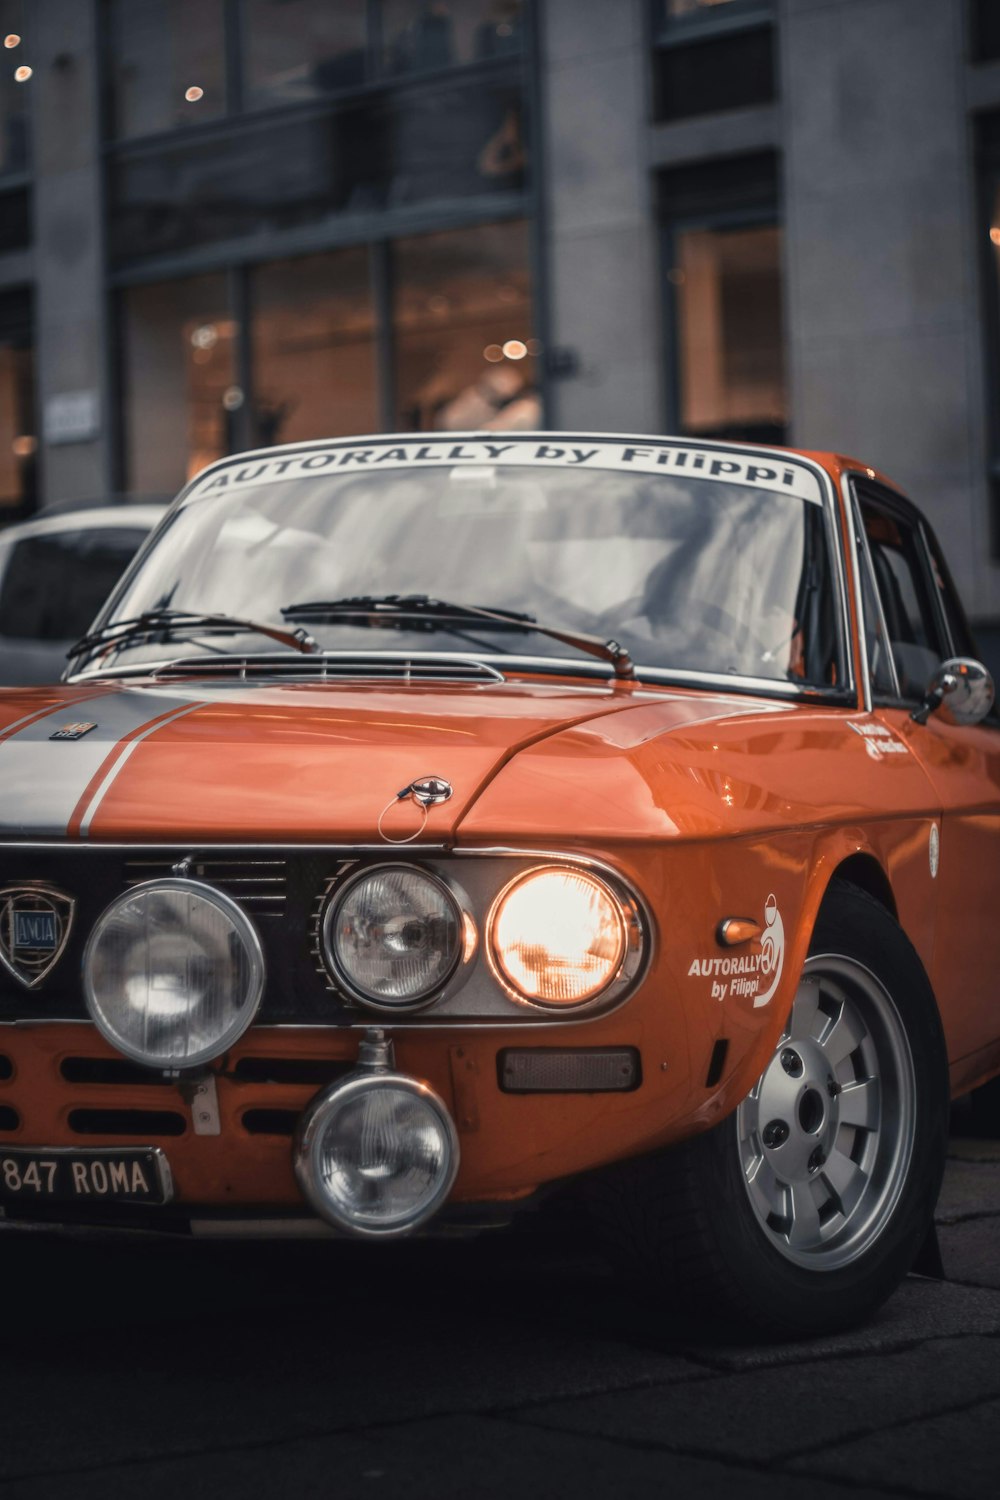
pixel 54 585
pixel 904 588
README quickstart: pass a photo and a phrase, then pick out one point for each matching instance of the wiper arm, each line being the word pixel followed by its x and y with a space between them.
pixel 421 606
pixel 153 621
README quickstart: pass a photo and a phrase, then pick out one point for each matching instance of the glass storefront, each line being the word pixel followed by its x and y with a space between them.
pixel 179 379
pixel 18 437
pixel 730 342
pixel 314 354
pixel 454 315
pixel 465 352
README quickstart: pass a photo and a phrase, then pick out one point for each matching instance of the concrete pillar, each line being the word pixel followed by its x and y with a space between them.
pixel 883 322
pixel 69 306
pixel 598 227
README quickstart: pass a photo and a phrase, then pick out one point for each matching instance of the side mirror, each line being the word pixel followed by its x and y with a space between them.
pixel 961 690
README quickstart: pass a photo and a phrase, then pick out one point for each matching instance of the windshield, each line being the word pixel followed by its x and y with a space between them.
pixel 692 574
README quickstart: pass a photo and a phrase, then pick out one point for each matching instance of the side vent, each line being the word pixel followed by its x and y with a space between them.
pixel 6 1069
pixel 9 1118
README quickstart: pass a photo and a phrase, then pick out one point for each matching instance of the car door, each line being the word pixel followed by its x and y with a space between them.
pixel 921 624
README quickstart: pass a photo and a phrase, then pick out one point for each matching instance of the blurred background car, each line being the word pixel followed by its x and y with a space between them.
pixel 55 573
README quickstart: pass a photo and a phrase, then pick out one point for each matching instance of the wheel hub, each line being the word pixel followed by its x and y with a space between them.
pixel 825 1134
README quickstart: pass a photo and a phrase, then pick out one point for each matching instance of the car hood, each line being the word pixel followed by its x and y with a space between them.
pixel 309 763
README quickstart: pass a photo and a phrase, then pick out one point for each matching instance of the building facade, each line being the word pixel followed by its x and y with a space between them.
pixel 231 223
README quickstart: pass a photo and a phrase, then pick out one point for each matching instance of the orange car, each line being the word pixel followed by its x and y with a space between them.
pixel 428 822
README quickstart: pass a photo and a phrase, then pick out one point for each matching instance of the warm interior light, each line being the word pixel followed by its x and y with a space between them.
pixel 515 349
pixel 12 39
pixel 995 235
pixel 193 94
pixel 558 937
pixel 22 74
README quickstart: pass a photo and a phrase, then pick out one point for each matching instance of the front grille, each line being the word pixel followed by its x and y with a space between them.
pixel 259 885
pixel 113 1070
pixel 315 1071
pixel 134 1122
pixel 270 1121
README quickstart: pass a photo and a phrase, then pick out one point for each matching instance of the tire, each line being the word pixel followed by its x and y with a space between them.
pixel 804 1209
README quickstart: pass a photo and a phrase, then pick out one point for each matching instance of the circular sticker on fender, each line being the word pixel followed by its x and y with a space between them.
pixel 748 976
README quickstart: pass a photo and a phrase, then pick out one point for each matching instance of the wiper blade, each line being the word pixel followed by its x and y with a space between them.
pixel 155 621
pixel 361 607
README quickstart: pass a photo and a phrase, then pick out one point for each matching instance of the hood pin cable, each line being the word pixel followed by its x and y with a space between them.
pixel 427 792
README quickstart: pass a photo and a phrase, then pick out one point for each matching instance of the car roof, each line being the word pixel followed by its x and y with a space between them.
pixel 141 517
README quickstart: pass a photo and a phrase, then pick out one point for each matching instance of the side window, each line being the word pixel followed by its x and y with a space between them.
pixel 904 591
pixel 958 626
pixel 55 584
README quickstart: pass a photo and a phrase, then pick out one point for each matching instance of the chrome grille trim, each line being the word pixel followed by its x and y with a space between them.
pixel 259 885
pixel 330 667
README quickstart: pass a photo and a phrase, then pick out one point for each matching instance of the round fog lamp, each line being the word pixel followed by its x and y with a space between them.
pixel 173 973
pixel 393 936
pixel 557 937
pixel 377 1155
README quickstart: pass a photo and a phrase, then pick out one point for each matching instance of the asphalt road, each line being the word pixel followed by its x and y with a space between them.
pixel 485 1369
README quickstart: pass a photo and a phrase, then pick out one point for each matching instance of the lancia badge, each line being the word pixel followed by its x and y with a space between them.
pixel 35 924
pixel 72 731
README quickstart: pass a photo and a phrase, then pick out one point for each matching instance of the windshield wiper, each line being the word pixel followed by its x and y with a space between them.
pixel 361 607
pixel 168 621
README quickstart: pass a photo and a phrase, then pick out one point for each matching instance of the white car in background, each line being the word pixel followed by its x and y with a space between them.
pixel 55 573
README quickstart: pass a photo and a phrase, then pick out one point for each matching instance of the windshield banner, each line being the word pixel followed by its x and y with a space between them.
pixel 763 470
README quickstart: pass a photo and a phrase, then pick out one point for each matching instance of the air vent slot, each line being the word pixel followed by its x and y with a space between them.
pixel 259 885
pixel 6 1069
pixel 306 1070
pixel 364 667
pixel 270 1121
pixel 9 1118
pixel 135 1122
pixel 113 1070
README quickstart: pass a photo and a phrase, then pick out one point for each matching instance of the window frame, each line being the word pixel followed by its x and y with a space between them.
pixel 864 489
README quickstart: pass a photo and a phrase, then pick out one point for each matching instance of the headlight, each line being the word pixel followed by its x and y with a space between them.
pixel 377 1154
pixel 557 937
pixel 393 936
pixel 173 973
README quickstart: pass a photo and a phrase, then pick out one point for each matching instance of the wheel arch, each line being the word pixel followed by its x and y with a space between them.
pixel 865 871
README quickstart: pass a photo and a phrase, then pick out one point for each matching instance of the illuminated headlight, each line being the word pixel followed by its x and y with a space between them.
pixel 173 973
pixel 558 937
pixel 393 936
pixel 377 1154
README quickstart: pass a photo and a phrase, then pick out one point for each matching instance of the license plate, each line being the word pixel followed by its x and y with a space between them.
pixel 97 1175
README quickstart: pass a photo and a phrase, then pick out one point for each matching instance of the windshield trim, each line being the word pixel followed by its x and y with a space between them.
pixel 830 502
pixel 554 666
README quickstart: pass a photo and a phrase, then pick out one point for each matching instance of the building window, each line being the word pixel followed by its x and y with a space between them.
pixel 301 49
pixel 712 55
pixel 18 439
pixel 174 63
pixel 984 31
pixel 723 249
pixel 465 352
pixel 167 64
pixel 15 88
